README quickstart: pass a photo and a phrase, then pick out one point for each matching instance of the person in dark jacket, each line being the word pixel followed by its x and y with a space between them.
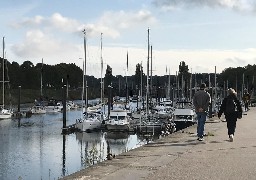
pixel 246 100
pixel 231 116
pixel 201 101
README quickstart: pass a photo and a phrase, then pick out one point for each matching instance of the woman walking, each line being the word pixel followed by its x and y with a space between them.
pixel 232 110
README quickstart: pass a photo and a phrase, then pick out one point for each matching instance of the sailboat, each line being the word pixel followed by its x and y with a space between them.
pixel 119 116
pixel 4 113
pixel 39 107
pixel 89 121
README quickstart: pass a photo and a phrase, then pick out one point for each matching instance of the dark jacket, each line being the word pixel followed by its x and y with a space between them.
pixel 238 110
pixel 201 100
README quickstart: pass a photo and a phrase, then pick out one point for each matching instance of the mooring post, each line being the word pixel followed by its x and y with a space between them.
pixel 210 106
pixel 64 129
pixel 19 107
pixel 109 99
pixel 64 155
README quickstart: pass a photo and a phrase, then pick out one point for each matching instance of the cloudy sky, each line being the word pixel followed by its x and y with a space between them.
pixel 203 33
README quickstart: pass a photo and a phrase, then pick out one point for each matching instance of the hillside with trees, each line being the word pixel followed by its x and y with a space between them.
pixel 28 77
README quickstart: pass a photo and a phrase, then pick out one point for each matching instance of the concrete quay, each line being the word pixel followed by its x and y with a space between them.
pixel 180 156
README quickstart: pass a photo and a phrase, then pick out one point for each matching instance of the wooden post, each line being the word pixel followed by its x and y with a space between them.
pixel 210 107
pixel 64 130
pixel 64 155
pixel 19 108
pixel 109 99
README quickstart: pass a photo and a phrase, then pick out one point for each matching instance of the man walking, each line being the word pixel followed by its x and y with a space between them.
pixel 201 102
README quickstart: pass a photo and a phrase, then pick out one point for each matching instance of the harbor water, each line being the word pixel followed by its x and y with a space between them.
pixel 34 148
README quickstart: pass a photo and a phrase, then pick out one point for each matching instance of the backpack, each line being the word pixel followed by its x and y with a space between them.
pixel 230 105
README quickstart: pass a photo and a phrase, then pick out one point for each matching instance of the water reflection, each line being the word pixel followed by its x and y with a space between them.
pixel 34 148
pixel 92 147
pixel 64 155
pixel 116 141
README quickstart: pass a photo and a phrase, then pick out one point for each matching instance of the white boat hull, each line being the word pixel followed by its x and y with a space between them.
pixel 118 127
pixel 5 114
pixel 53 109
pixel 88 124
pixel 184 115
pixel 119 120
pixel 38 110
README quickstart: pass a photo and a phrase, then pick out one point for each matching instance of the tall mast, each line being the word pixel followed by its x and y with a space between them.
pixel 151 78
pixel 141 84
pixel 126 82
pixel 169 85
pixel 83 91
pixel 215 86
pixel 101 70
pixel 3 70
pixel 85 71
pixel 41 87
pixel 190 86
pixel 147 92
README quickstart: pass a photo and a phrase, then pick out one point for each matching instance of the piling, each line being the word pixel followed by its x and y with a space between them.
pixel 19 108
pixel 64 129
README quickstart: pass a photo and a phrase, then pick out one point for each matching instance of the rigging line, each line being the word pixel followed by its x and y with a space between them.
pixel 8 81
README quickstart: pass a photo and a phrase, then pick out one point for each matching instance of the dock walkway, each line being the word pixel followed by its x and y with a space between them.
pixel 180 156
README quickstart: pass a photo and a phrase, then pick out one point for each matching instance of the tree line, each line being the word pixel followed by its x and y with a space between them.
pixel 28 77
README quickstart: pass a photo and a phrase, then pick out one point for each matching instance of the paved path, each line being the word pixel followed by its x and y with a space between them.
pixel 181 156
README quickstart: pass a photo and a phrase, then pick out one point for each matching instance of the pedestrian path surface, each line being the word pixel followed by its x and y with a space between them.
pixel 180 156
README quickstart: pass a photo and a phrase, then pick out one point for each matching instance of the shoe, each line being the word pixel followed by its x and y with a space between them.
pixel 231 138
pixel 200 139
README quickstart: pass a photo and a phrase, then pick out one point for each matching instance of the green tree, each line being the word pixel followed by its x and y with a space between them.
pixel 183 77
pixel 29 75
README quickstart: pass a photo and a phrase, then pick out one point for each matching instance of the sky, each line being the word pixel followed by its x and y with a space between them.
pixel 203 33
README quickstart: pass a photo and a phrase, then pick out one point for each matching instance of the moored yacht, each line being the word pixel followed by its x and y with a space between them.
pixel 5 113
pixel 184 113
pixel 38 109
pixel 53 106
pixel 90 122
pixel 118 120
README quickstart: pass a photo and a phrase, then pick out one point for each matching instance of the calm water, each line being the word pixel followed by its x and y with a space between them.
pixel 38 150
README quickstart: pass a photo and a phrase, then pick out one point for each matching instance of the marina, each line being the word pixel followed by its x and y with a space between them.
pixel 94 125
pixel 35 148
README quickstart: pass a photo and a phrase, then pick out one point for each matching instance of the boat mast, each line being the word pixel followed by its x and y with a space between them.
pixel 141 84
pixel 169 86
pixel 215 86
pixel 3 70
pixel 86 98
pixel 126 82
pixel 147 92
pixel 41 87
pixel 151 77
pixel 83 91
pixel 101 70
pixel 190 86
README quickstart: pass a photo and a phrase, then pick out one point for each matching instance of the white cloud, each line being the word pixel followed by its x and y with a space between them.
pixel 29 22
pixel 63 23
pixel 239 5
pixel 37 44
pixel 199 61
pixel 111 23
pixel 124 20
pixel 50 44
pixel 44 39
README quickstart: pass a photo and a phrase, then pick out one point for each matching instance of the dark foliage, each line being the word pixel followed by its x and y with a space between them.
pixel 28 76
